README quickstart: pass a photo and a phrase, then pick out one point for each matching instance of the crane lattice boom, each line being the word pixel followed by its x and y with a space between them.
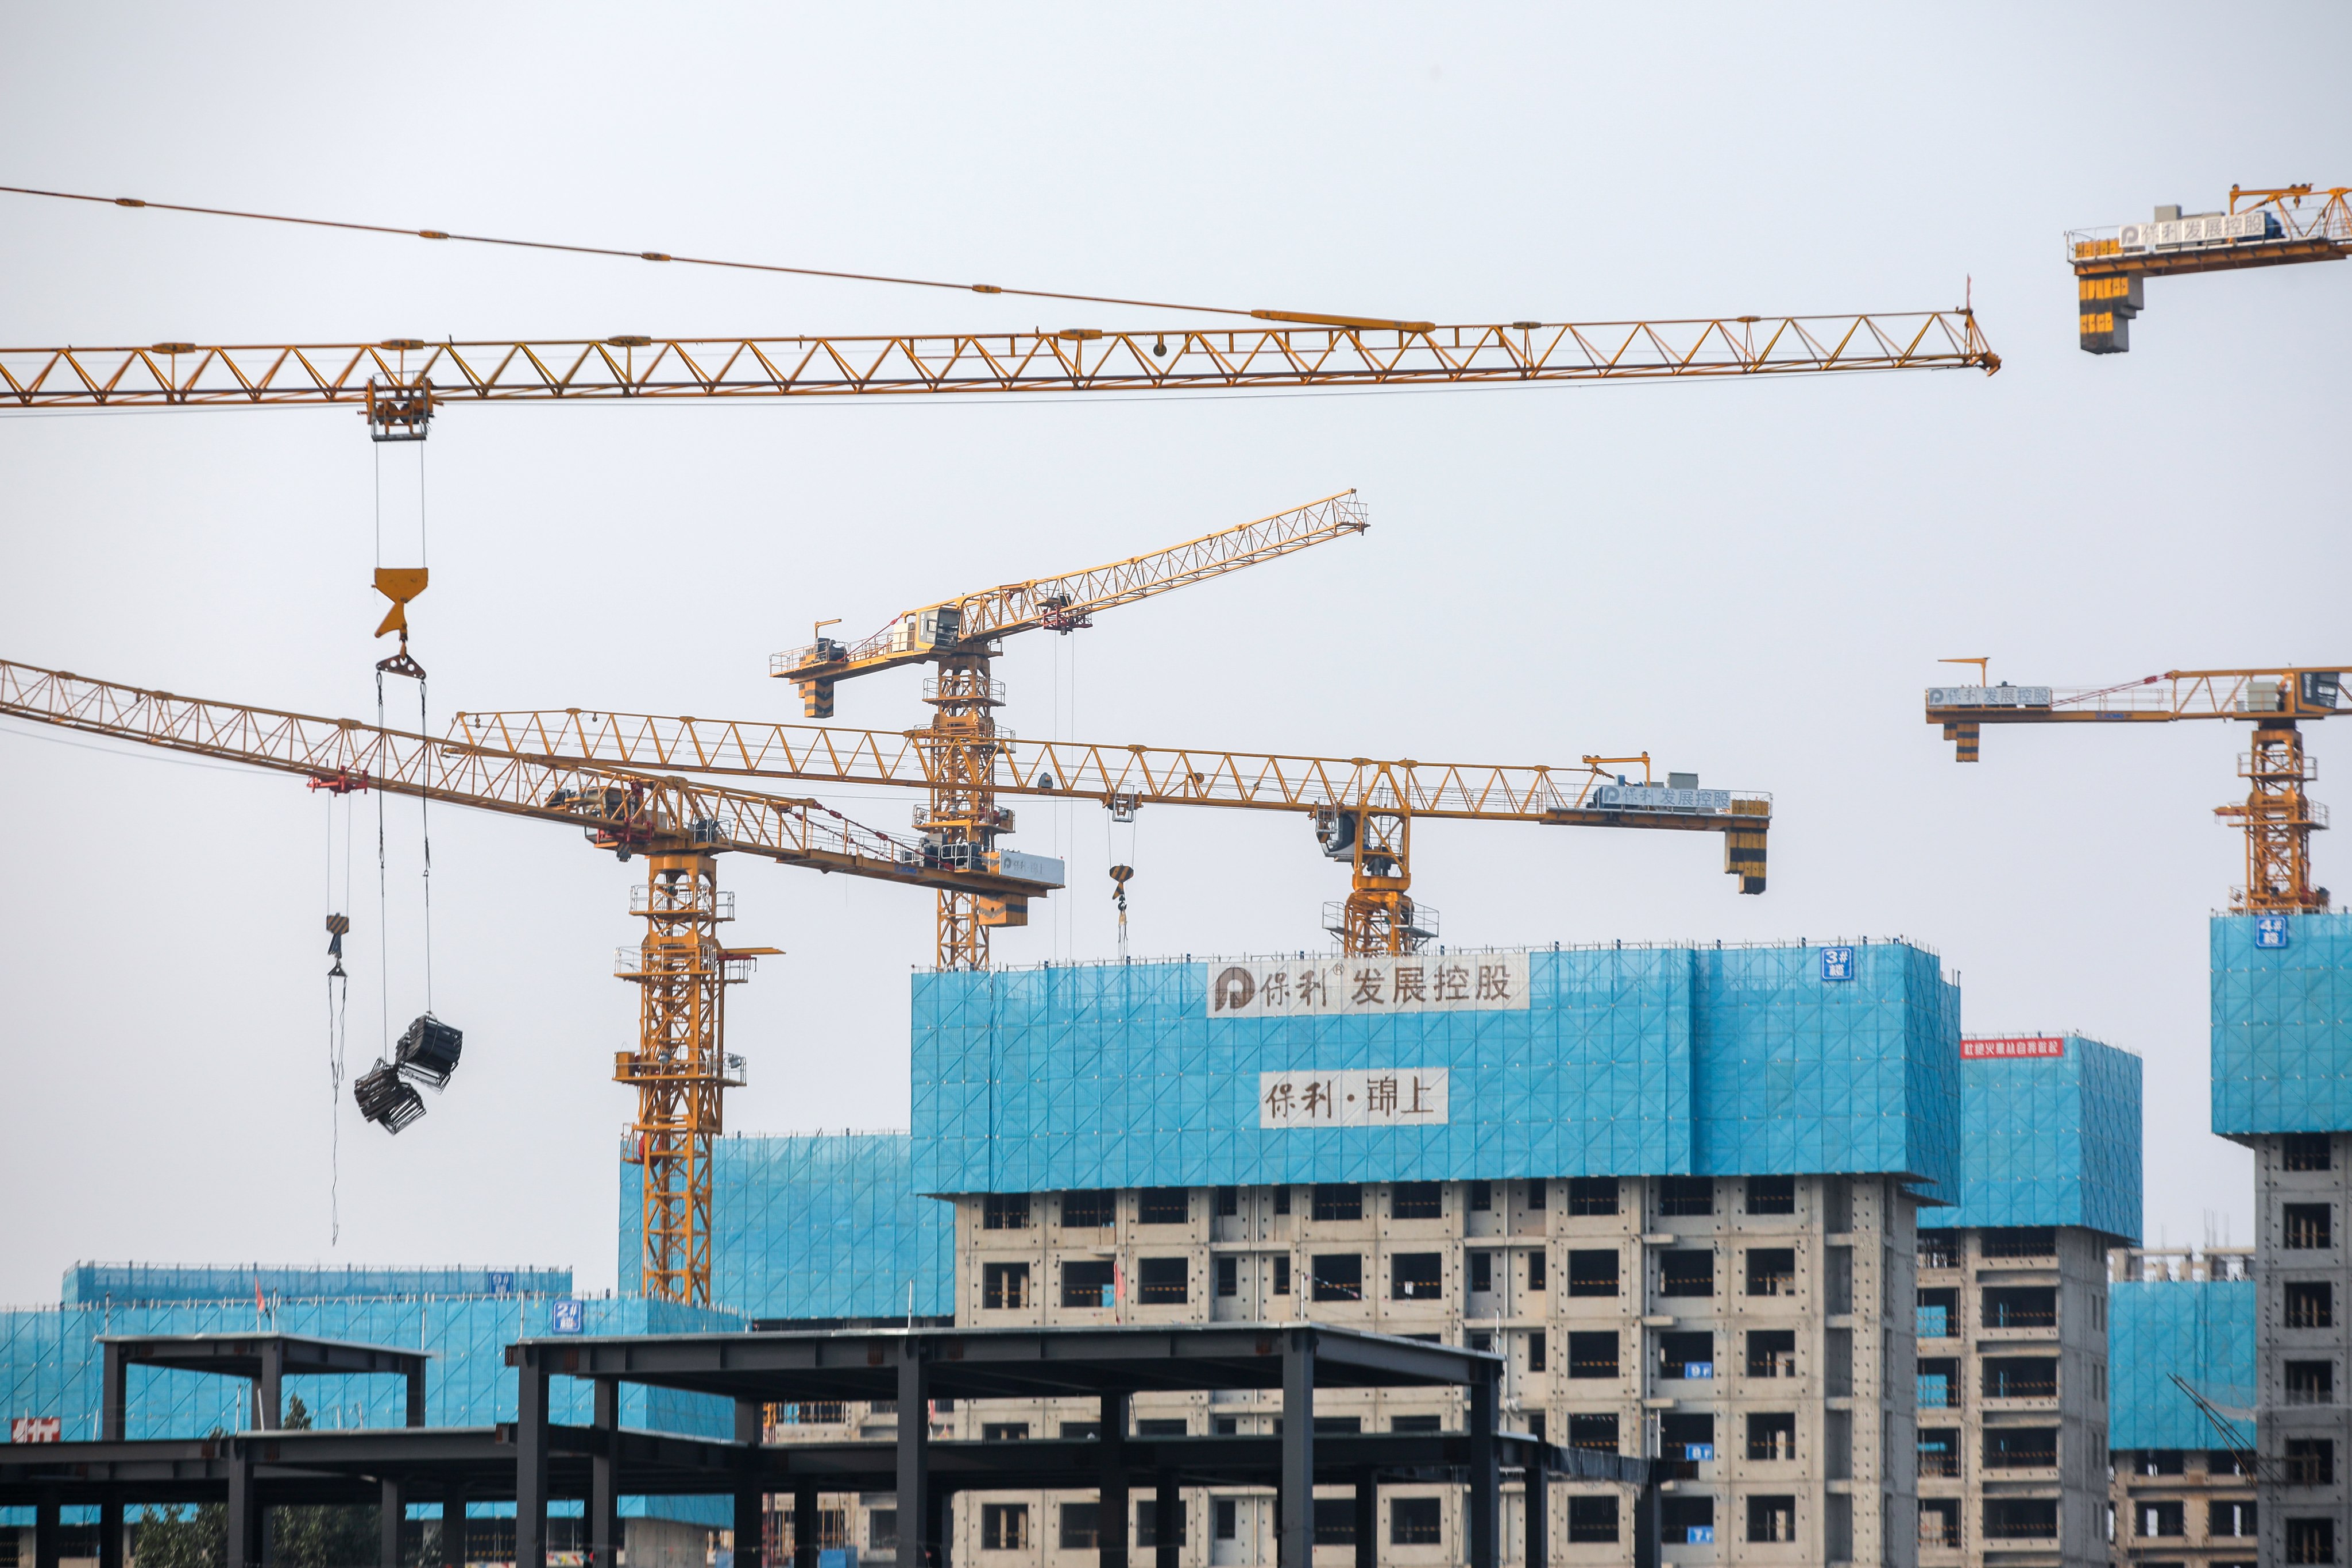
pixel 1077 770
pixel 1075 359
pixel 631 809
pixel 1063 602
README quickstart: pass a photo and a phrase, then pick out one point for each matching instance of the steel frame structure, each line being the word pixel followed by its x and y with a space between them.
pixel 1071 360
pixel 679 1067
pixel 2277 816
pixel 536 1460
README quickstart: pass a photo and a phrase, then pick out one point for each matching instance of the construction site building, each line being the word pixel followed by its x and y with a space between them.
pixel 2281 1047
pixel 2012 1309
pixel 2180 1488
pixel 1674 1188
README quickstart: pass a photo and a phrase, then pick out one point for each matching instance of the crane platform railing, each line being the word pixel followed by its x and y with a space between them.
pixel 1039 361
pixel 2178 694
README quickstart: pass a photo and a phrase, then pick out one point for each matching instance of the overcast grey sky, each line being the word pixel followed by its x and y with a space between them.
pixel 1753 582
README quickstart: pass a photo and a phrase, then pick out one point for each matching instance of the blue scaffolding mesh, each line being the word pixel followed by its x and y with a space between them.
pixel 51 1362
pixel 2050 1141
pixel 1627 1061
pixel 2204 1331
pixel 816 1225
pixel 2281 1024
pixel 88 1284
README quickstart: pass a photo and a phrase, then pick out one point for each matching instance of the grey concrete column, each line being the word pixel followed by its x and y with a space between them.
pixel 109 1534
pixel 242 1547
pixel 1110 1520
pixel 1297 1545
pixel 453 1525
pixel 390 1509
pixel 114 1421
pixel 270 1388
pixel 45 1533
pixel 1368 1519
pixel 605 1478
pixel 1168 1513
pixel 531 1460
pixel 805 1541
pixel 921 1529
pixel 1538 1520
pixel 750 1510
pixel 1485 1498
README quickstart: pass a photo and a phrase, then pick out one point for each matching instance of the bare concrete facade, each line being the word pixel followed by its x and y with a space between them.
pixel 2303 1425
pixel 2012 1372
pixel 1759 1330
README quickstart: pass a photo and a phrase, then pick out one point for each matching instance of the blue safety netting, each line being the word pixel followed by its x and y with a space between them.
pixel 2204 1331
pixel 816 1225
pixel 2281 1024
pixel 2049 1141
pixel 1626 1061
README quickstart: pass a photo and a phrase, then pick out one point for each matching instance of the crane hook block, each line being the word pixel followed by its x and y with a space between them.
pixel 399 584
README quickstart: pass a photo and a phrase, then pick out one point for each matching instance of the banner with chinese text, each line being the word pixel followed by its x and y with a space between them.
pixel 1417 982
pixel 1380 1097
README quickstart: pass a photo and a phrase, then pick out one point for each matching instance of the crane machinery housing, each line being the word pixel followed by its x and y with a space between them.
pixel 680 1067
pixel 2278 817
pixel 2269 227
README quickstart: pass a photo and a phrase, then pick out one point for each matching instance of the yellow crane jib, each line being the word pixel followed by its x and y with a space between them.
pixel 1361 809
pixel 1196 358
pixel 2278 817
pixel 1065 603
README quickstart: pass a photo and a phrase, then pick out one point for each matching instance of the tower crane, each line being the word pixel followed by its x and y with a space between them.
pixel 960 636
pixel 680 1067
pixel 2278 817
pixel 1362 810
pixel 2265 227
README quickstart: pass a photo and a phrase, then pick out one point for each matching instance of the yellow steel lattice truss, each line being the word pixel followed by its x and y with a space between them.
pixel 1071 360
pixel 1362 807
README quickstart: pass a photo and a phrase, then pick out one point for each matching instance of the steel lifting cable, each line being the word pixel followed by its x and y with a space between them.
pixel 424 800
pixel 1306 318
pixel 339 987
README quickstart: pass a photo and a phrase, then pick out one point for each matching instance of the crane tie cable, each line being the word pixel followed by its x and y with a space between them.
pixel 639 255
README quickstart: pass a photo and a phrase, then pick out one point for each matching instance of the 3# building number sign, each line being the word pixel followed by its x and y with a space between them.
pixel 1837 963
